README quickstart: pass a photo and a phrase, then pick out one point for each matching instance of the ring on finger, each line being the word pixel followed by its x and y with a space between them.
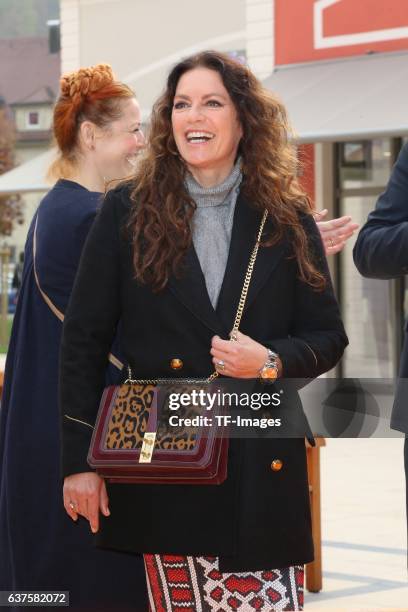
pixel 220 364
pixel 331 243
pixel 72 505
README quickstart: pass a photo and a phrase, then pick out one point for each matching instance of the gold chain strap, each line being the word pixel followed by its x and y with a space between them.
pixel 168 381
pixel 247 280
pixel 233 335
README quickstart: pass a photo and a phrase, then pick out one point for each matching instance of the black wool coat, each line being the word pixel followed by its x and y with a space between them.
pixel 258 518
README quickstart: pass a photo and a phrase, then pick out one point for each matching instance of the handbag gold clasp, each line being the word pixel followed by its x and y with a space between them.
pixel 147 447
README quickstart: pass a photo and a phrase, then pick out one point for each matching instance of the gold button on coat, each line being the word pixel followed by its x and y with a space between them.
pixel 276 465
pixel 176 364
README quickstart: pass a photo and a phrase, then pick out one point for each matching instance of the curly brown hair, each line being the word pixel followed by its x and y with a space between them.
pixel 160 219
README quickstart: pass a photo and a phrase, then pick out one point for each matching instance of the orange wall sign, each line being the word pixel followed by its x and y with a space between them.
pixel 311 30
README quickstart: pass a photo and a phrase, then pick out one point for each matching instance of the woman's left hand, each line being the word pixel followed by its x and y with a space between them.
pixel 242 358
pixel 336 232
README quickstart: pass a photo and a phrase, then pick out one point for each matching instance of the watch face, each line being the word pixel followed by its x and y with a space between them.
pixel 269 373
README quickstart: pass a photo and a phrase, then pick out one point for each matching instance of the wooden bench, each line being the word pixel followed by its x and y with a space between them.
pixel 314 569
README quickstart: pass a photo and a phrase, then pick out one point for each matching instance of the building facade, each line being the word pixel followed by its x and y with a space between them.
pixel 141 39
pixel 336 65
pixel 29 75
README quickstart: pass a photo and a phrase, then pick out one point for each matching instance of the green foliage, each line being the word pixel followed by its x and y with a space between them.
pixel 11 206
pixel 4 347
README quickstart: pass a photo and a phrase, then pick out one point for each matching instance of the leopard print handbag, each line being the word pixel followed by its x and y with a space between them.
pixel 139 437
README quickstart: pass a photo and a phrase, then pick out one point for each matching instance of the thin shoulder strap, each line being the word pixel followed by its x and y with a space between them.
pixel 114 360
pixel 47 300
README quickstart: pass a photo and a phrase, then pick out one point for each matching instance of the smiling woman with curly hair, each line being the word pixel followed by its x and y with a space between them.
pixel 167 257
pixel 162 218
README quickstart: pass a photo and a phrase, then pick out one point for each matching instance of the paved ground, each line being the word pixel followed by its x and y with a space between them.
pixel 364 527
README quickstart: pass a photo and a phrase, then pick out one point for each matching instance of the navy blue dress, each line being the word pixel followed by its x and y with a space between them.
pixel 40 546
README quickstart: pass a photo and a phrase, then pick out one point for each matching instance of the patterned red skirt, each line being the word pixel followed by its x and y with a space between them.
pixel 194 584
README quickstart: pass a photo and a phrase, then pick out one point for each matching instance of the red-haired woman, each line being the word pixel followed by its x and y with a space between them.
pixel 97 129
pixel 167 256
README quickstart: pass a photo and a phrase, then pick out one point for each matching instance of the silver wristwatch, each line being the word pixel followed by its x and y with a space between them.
pixel 269 371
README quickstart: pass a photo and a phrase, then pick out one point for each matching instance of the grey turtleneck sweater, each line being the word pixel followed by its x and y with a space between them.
pixel 212 226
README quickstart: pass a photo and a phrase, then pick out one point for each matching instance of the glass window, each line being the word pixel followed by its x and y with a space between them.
pixel 366 308
pixel 365 163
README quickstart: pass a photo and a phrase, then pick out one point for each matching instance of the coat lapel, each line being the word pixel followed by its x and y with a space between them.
pixel 244 232
pixel 191 289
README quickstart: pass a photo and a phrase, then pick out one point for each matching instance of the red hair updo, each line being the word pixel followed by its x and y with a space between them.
pixel 88 94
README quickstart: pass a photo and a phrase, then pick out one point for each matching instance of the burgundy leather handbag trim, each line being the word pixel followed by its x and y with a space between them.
pixel 196 455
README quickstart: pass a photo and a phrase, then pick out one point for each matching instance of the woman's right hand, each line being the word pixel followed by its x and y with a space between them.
pixel 85 494
pixel 334 233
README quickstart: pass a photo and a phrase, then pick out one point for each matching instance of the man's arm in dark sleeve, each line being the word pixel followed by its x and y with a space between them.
pixel 381 249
